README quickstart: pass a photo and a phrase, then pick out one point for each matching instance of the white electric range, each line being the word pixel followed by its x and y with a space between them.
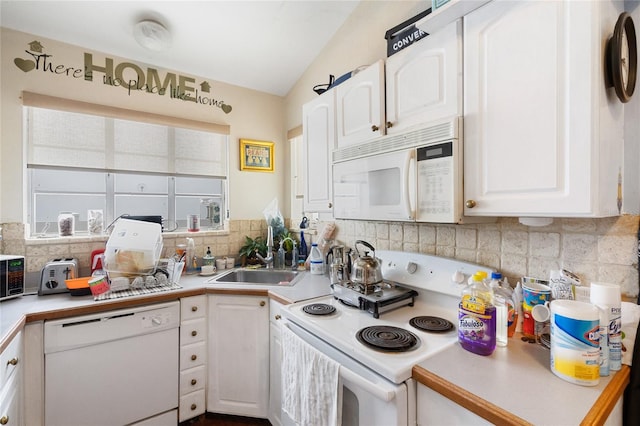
pixel 377 381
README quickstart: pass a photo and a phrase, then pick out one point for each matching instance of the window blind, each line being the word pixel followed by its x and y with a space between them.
pixel 64 133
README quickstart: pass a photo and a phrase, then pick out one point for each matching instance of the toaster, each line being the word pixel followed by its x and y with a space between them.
pixel 54 273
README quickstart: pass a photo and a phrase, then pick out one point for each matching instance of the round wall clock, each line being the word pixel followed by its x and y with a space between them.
pixel 622 58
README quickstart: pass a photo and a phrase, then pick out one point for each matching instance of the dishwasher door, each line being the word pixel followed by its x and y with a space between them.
pixel 113 368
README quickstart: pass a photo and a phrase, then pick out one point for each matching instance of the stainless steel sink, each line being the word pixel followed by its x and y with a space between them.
pixel 259 277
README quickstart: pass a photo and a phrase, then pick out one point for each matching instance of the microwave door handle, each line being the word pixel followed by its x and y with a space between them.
pixel 407 203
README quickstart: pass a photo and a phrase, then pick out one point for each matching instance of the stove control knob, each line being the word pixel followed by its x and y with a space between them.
pixel 412 267
pixel 458 277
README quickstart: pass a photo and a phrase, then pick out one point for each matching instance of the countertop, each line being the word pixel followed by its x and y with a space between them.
pixel 14 313
pixel 515 386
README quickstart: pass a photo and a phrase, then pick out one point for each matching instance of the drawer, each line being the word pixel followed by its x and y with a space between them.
pixel 11 358
pixel 192 355
pixel 192 379
pixel 193 307
pixel 191 405
pixel 193 331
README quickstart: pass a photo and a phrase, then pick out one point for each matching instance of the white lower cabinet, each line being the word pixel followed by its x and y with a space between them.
pixel 193 357
pixel 435 409
pixel 275 361
pixel 11 383
pixel 238 377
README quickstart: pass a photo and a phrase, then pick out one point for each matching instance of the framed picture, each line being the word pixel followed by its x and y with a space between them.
pixel 256 155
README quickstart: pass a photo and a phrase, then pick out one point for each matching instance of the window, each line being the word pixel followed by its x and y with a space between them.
pixel 103 166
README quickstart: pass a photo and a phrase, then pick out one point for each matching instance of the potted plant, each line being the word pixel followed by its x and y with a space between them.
pixel 248 250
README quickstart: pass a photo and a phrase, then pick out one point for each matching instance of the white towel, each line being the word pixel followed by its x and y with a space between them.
pixel 311 392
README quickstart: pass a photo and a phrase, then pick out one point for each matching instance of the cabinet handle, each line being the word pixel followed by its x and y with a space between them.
pixel 262 303
pixel 194 308
pixel 194 333
pixel 194 357
pixel 330 205
pixel 13 361
pixel 193 407
pixel 193 382
pixel 4 420
pixel 470 204
pixel 278 317
pixel 374 128
pixel 389 124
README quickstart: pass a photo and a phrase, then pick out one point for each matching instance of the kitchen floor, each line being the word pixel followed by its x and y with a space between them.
pixel 211 419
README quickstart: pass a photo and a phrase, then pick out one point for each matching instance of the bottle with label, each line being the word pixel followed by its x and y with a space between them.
pixel 504 306
pixel 208 258
pixel 477 318
pixel 302 251
pixel 316 261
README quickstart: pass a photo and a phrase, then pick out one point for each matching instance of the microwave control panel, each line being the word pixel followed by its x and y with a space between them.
pixel 437 187
pixel 11 276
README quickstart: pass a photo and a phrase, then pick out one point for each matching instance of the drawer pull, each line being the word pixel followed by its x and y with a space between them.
pixel 278 317
pixel 193 407
pixel 194 357
pixel 4 420
pixel 13 361
pixel 194 333
pixel 194 308
pixel 262 303
pixel 193 382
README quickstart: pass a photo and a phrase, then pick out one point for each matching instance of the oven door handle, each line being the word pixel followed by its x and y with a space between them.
pixel 364 384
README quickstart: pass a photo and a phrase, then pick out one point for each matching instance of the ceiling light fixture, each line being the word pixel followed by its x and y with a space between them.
pixel 152 35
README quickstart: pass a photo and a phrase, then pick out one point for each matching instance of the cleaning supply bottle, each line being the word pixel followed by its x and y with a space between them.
pixel 208 258
pixel 504 305
pixel 316 260
pixel 302 252
pixel 477 318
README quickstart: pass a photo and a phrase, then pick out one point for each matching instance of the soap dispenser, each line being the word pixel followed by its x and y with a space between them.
pixel 280 257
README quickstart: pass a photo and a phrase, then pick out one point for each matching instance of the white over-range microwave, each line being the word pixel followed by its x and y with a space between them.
pixel 412 177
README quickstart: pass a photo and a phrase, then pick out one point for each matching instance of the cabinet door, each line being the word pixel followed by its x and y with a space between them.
pixel 275 381
pixel 319 139
pixel 424 81
pixel 238 355
pixel 360 106
pixel 528 67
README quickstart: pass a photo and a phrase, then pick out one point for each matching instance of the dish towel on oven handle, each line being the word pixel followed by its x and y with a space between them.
pixel 311 392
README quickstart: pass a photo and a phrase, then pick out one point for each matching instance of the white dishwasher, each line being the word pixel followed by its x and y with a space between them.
pixel 113 368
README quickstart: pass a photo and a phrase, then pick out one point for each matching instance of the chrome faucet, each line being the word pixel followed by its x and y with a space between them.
pixel 268 261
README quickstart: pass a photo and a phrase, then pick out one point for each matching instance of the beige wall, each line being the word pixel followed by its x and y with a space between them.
pixel 255 115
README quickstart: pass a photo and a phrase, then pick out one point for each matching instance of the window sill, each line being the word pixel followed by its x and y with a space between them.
pixel 54 239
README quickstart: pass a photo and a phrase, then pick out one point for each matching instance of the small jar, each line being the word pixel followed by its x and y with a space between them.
pixel 66 224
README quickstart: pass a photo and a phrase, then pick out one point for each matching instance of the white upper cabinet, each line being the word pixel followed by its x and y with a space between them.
pixel 542 135
pixel 319 141
pixel 424 81
pixel 360 106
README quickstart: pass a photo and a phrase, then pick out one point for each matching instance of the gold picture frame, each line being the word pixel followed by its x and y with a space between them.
pixel 256 156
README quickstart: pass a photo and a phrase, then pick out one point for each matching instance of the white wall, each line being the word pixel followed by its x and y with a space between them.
pixel 254 115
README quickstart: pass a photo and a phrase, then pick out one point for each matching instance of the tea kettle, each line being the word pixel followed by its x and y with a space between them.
pixel 366 270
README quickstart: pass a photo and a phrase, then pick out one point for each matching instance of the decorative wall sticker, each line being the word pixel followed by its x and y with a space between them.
pixel 127 75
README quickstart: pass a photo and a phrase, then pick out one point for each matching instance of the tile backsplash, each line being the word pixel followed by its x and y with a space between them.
pixel 603 249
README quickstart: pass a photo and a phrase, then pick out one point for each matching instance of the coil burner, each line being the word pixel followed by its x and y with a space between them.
pixel 432 324
pixel 388 338
pixel 319 309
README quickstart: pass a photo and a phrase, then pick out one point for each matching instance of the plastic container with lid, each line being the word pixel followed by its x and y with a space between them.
pixel 316 260
pixel 477 318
